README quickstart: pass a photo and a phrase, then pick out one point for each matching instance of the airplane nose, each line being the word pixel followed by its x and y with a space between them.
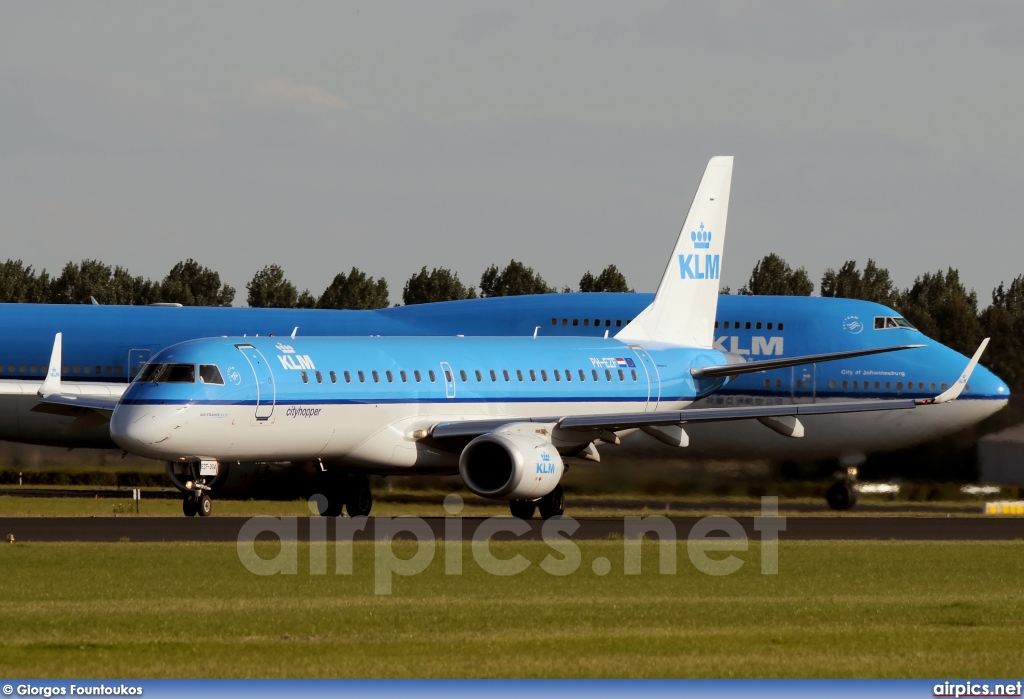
pixel 138 430
pixel 987 386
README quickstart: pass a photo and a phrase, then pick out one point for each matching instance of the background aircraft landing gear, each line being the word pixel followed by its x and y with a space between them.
pixel 359 498
pixel 842 495
pixel 523 509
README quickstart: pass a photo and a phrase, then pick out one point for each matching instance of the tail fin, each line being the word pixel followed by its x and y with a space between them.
pixel 683 310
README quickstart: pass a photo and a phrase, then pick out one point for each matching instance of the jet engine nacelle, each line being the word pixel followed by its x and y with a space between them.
pixel 510 465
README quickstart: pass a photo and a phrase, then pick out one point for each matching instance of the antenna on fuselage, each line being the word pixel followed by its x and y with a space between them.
pixel 535 331
pixel 295 331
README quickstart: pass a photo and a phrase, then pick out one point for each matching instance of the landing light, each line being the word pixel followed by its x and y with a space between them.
pixel 188 485
pixel 419 434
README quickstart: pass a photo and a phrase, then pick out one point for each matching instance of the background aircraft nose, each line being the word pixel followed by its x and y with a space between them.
pixel 984 384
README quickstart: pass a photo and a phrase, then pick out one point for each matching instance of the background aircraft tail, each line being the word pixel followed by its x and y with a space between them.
pixel 683 310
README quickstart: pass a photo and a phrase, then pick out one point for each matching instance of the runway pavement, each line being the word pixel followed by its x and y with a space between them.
pixel 225 529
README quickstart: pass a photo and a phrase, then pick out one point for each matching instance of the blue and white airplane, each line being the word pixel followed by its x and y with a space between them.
pixel 502 411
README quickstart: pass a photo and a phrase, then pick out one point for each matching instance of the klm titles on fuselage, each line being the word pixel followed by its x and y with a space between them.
pixel 291 360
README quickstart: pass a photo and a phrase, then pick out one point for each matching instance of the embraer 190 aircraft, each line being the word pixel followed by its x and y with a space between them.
pixel 503 412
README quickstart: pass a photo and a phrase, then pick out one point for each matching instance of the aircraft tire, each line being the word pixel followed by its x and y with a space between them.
pixel 205 505
pixel 189 507
pixel 522 509
pixel 552 504
pixel 359 499
pixel 841 495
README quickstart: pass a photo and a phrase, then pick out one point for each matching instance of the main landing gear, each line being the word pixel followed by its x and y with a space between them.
pixel 351 494
pixel 842 494
pixel 551 505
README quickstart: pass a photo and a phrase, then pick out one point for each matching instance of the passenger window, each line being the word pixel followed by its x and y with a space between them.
pixel 305 378
pixel 543 375
pixel 583 377
pixel 448 376
pixel 888 385
pixel 920 385
pixel 504 372
pixel 586 322
pixel 780 326
pixel 778 383
pixel 844 385
pixel 633 372
pixel 533 375
pixel 767 383
pixel 417 375
pixel 431 375
pixel 558 375
pixel 334 377
pixel 120 369
pixel 608 374
pixel 575 322
pixel 725 325
pixel 21 369
pixel 769 326
pixel 565 321
pixel 554 321
pixel 404 376
pixel 519 374
pixel 931 386
pixel 362 376
pixel 877 385
pixel 479 376
pixel 319 377
pixel 856 384
pixel 618 324
pixel 390 376
pixel 622 375
pixel 494 376
pixel 832 383
pixel 74 368
pixel 99 370
pixel 462 375
pixel 209 373
pixel 568 374
pixel 110 370
pixel 943 386
pixel 716 325
pixel 597 321
pixel 375 375
pixel 607 322
pixel 747 325
pixel 758 326
pixel 594 372
pixel 348 377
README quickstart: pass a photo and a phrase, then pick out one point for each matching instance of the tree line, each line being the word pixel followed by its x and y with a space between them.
pixel 936 303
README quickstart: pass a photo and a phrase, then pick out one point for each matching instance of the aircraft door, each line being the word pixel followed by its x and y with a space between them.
pixel 653 378
pixel 137 359
pixel 803 383
pixel 449 379
pixel 266 390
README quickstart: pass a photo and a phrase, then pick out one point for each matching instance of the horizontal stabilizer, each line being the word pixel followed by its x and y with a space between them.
pixel 708 372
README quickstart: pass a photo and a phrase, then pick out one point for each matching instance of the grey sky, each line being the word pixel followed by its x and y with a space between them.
pixel 567 135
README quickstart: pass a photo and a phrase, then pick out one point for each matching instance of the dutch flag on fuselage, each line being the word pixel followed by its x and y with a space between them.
pixel 625 362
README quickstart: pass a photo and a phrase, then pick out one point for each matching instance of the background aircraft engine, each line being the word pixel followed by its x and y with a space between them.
pixel 510 466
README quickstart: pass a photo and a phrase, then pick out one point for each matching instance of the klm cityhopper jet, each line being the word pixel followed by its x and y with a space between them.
pixel 502 412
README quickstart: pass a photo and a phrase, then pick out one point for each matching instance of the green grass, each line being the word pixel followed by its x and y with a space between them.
pixel 836 609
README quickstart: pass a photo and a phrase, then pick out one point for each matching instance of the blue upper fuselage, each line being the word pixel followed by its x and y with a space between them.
pixel 277 373
pixel 111 343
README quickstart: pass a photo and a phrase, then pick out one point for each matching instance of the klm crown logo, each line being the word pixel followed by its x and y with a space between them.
pixel 701 238
pixel 700 266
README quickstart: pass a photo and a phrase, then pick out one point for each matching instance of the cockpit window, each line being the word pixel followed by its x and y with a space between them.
pixel 209 373
pixel 169 373
pixel 887 322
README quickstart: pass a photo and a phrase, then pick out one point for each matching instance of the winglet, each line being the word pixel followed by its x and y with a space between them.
pixel 51 384
pixel 957 388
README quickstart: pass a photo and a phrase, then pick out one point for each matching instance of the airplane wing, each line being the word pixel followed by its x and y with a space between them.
pixel 766 364
pixel 612 422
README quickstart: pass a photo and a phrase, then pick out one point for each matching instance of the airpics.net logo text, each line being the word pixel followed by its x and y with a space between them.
pixel 706 542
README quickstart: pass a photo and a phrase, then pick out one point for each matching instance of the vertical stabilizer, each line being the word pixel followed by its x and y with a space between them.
pixel 683 310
